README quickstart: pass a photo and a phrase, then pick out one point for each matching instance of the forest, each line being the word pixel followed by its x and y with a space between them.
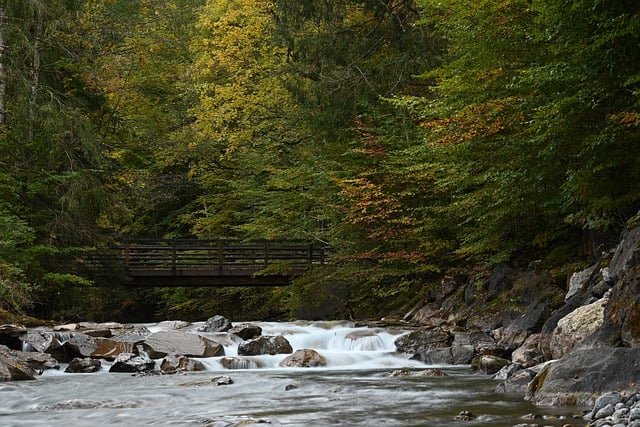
pixel 418 139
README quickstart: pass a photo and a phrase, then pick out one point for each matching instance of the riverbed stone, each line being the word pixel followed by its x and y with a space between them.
pixel 10 335
pixel 489 364
pixel 162 343
pixel 79 345
pixel 38 361
pixel 107 348
pixel 304 358
pixel 265 345
pixel 246 331
pixel 83 365
pixel 217 323
pixel 131 362
pixel 173 363
pixel 421 340
pixel 13 367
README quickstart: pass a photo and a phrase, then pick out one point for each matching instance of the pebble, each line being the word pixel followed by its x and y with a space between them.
pixel 615 410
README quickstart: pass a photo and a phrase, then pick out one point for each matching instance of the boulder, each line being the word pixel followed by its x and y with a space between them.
pixel 246 331
pixel 578 281
pixel 83 365
pixel 107 348
pixel 626 255
pixel 173 363
pixel 515 379
pixel 304 358
pixel 489 364
pixel 576 326
pixel 131 362
pixel 454 355
pixel 38 361
pixel 10 335
pixel 240 363
pixel 265 345
pixel 528 354
pixel 421 340
pixel 582 375
pixel 13 367
pixel 79 345
pixel 173 324
pixel 217 323
pixel 424 373
pixel 162 343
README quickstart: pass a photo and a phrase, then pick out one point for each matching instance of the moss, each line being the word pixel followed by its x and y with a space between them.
pixel 22 319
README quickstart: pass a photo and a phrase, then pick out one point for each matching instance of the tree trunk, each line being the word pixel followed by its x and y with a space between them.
pixel 3 70
pixel 35 72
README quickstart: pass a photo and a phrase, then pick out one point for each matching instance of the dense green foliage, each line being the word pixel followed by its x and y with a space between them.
pixel 412 136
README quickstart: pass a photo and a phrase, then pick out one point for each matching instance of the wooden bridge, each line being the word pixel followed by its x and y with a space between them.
pixel 199 262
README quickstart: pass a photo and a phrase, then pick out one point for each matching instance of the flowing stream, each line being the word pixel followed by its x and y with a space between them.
pixel 354 389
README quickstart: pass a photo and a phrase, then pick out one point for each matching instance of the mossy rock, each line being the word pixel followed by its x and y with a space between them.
pixel 22 319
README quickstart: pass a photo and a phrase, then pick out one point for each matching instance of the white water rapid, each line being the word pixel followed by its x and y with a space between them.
pixel 353 389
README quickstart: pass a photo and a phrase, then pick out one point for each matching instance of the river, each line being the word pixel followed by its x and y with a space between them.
pixel 354 389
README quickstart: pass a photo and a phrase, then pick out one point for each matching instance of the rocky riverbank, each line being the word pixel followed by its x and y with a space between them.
pixel 556 343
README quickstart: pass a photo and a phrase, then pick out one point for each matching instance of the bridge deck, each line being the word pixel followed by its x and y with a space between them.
pixel 197 262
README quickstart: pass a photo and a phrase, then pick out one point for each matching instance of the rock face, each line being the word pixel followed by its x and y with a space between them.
pixel 265 345
pixel 162 343
pixel 576 326
pixel 581 376
pixel 304 358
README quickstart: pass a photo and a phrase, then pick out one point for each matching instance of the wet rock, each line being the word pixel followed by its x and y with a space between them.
pixel 515 379
pixel 162 343
pixel 246 331
pixel 217 323
pixel 83 365
pixel 220 380
pixel 576 326
pixel 13 367
pixel 79 345
pixel 107 348
pixel 304 358
pixel 10 335
pixel 38 361
pixel 465 416
pixel 582 375
pixel 173 363
pixel 455 355
pixel 131 362
pixel 174 324
pixel 424 373
pixel 421 340
pixel 528 354
pixel 240 363
pixel 265 345
pixel 489 364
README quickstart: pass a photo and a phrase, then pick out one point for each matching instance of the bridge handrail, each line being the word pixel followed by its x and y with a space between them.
pixel 204 254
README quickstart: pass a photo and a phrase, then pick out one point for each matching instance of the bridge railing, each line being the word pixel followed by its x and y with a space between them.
pixel 143 256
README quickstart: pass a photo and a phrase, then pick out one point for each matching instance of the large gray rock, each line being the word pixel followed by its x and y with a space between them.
pixel 246 331
pixel 626 255
pixel 576 326
pixel 107 348
pixel 582 375
pixel 422 340
pixel 80 345
pixel 83 365
pixel 304 358
pixel 578 281
pixel 38 361
pixel 265 345
pixel 217 323
pixel 13 367
pixel 131 362
pixel 173 363
pixel 162 343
